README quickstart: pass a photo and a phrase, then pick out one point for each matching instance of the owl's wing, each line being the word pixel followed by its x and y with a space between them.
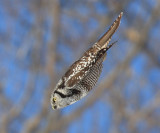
pixel 81 68
pixel 90 71
pixel 91 78
pixel 77 72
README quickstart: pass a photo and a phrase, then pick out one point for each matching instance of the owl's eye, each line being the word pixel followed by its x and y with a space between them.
pixel 54 99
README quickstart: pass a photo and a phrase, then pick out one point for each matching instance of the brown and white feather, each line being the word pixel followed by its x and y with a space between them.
pixel 82 75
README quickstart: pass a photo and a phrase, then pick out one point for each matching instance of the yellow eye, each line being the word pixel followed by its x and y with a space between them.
pixel 54 99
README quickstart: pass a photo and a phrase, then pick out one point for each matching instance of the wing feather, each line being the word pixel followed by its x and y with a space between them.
pixel 82 66
pixel 91 78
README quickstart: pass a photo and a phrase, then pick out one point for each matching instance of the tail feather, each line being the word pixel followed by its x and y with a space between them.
pixel 105 39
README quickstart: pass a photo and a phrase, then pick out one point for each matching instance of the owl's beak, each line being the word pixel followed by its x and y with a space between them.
pixel 54 107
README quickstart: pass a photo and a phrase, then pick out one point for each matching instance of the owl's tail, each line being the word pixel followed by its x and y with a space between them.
pixel 105 39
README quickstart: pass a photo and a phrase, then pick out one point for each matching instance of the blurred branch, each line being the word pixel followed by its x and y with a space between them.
pixel 143 113
pixel 152 55
pixel 15 110
pixel 54 10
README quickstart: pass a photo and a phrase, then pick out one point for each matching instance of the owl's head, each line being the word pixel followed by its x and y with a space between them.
pixel 58 97
pixel 56 101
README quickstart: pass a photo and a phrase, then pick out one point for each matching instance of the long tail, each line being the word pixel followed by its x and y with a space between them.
pixel 105 39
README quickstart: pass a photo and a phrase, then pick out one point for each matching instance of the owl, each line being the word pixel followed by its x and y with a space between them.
pixel 83 74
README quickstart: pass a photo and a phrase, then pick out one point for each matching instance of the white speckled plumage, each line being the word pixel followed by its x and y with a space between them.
pixel 82 75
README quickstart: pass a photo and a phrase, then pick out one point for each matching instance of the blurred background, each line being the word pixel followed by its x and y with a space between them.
pixel 40 39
